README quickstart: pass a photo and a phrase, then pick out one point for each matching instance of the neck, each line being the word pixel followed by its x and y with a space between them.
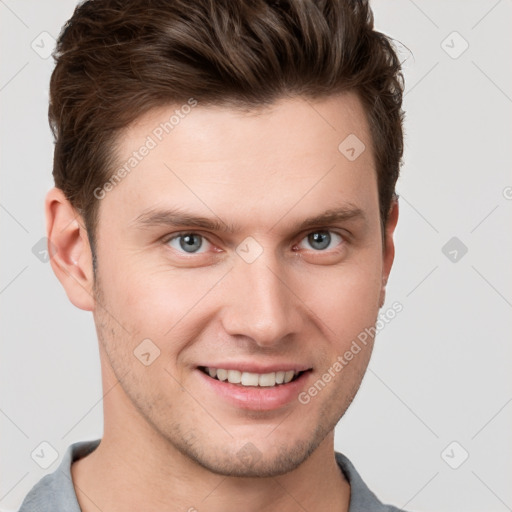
pixel 120 475
pixel 134 468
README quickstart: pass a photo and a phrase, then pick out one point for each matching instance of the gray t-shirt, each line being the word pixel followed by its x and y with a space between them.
pixel 55 491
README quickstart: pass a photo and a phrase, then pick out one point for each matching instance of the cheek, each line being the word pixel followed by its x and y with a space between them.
pixel 157 300
pixel 347 305
pixel 346 298
pixel 150 298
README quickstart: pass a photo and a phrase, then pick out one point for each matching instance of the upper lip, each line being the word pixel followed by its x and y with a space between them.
pixel 253 367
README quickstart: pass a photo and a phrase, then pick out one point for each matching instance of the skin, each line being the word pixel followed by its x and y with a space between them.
pixel 169 441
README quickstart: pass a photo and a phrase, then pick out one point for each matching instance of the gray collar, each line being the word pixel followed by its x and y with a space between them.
pixel 55 491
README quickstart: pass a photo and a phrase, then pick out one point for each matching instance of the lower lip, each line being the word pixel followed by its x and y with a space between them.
pixel 256 398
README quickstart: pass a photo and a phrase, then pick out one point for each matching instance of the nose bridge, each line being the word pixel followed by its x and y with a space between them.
pixel 262 306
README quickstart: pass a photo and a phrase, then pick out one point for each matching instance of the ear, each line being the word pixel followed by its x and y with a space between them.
pixel 388 250
pixel 69 250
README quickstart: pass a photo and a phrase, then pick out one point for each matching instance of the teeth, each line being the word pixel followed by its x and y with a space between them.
pixel 249 379
pixel 234 376
pixel 267 379
pixel 252 379
pixel 222 374
pixel 288 376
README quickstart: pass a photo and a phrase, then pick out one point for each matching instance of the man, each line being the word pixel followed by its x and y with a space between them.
pixel 225 207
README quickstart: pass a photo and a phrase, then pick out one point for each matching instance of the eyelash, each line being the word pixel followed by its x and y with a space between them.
pixel 174 236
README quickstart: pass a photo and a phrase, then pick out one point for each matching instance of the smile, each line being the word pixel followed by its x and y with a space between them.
pixel 252 379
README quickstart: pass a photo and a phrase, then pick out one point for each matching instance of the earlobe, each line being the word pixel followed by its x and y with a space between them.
pixel 388 248
pixel 68 246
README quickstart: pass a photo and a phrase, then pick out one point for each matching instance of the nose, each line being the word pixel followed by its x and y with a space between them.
pixel 261 303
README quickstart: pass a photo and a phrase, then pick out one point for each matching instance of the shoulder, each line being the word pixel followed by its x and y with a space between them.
pixel 362 499
pixel 55 492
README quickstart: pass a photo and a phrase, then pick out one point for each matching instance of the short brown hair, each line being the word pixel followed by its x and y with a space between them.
pixel 117 59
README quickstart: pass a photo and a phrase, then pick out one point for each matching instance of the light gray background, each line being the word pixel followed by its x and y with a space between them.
pixel 441 369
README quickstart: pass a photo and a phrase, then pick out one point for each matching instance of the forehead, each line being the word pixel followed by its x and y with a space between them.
pixel 296 154
pixel 215 131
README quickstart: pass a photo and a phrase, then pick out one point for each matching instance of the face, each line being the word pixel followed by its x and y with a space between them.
pixel 247 247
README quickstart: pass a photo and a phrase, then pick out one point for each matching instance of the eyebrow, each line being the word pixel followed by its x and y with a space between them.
pixel 176 218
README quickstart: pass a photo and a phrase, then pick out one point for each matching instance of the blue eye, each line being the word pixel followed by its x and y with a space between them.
pixel 194 243
pixel 321 240
pixel 188 242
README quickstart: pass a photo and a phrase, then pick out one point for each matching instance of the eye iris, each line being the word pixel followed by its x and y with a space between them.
pixel 321 238
pixel 190 242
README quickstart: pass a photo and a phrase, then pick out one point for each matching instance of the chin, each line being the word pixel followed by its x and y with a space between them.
pixel 248 459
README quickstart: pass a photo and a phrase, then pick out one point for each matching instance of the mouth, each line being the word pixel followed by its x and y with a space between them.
pixel 250 379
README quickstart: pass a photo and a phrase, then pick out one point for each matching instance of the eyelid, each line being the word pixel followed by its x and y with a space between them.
pixel 343 237
pixel 298 238
pixel 167 238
